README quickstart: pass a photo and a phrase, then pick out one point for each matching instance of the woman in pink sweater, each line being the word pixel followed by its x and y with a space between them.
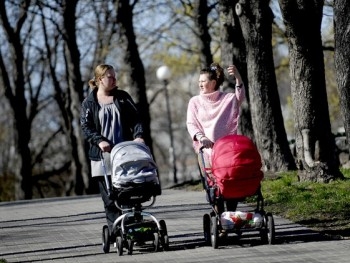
pixel 214 114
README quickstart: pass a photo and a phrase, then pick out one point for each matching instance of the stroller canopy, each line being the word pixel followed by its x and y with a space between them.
pixel 132 162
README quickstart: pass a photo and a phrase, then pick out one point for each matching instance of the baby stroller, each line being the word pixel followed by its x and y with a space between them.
pixel 134 182
pixel 234 176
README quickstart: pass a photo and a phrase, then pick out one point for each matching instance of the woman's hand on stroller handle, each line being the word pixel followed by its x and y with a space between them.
pixel 139 140
pixel 205 142
pixel 105 146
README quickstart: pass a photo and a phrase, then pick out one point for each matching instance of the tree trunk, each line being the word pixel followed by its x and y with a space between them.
pixel 342 60
pixel 204 39
pixel 315 145
pixel 256 22
pixel 75 97
pixel 134 65
pixel 233 52
pixel 16 94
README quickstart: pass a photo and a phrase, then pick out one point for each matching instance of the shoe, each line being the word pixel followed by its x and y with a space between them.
pixel 223 234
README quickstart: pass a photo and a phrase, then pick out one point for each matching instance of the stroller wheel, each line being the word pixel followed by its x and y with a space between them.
pixel 164 239
pixel 165 243
pixel 156 241
pixel 130 246
pixel 105 239
pixel 267 231
pixel 206 229
pixel 120 241
pixel 270 229
pixel 263 232
pixel 214 232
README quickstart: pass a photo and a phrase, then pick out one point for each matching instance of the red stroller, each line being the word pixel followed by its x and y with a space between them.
pixel 235 175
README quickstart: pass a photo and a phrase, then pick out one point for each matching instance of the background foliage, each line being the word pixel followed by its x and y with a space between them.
pixel 166 34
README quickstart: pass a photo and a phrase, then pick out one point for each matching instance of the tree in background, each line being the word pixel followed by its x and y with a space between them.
pixel 233 52
pixel 75 96
pixel 59 58
pixel 202 11
pixel 342 60
pixel 133 64
pixel 270 136
pixel 51 94
pixel 13 73
pixel 315 147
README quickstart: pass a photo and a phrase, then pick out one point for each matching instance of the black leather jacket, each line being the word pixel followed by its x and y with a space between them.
pixel 90 123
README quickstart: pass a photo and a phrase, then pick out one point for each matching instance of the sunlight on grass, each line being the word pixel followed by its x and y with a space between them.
pixel 305 201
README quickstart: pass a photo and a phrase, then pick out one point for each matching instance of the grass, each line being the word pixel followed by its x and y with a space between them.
pixel 322 207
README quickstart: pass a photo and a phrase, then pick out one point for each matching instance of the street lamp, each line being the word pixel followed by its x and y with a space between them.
pixel 163 74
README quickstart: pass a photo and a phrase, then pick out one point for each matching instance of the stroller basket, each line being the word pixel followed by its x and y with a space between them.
pixel 132 193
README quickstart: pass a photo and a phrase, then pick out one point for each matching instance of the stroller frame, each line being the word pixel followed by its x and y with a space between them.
pixel 212 222
pixel 134 225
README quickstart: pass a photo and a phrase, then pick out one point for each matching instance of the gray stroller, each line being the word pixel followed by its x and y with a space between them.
pixel 134 182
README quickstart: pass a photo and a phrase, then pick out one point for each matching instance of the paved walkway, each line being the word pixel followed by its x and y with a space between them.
pixel 69 230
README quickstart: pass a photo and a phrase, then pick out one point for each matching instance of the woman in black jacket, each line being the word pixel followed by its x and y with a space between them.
pixel 108 116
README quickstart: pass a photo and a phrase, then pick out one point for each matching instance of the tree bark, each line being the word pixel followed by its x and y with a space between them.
pixel 233 52
pixel 16 94
pixel 75 97
pixel 133 65
pixel 204 39
pixel 315 145
pixel 342 60
pixel 256 22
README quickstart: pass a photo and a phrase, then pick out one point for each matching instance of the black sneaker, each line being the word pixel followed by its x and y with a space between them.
pixel 223 234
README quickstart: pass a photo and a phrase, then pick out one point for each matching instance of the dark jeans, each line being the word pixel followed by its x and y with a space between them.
pixel 112 212
pixel 231 205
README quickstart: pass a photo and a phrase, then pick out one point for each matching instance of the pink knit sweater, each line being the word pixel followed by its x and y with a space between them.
pixel 215 115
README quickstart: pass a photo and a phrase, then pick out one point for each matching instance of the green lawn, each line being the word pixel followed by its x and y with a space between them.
pixel 324 207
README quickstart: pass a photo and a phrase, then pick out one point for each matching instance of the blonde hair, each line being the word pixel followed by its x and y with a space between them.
pixel 100 71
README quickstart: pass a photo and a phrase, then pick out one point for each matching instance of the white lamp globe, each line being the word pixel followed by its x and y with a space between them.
pixel 163 73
